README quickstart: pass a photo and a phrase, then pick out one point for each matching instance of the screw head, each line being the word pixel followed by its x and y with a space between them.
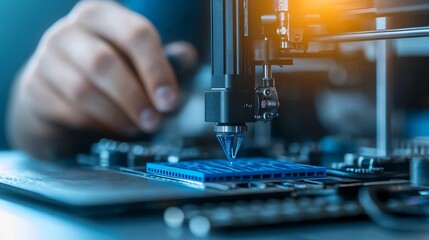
pixel 267 92
pixel 267 116
pixel 297 37
pixel 282 31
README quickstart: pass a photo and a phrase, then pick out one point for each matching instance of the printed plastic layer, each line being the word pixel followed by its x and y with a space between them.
pixel 240 170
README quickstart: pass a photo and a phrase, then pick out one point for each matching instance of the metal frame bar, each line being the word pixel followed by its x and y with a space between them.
pixel 377 35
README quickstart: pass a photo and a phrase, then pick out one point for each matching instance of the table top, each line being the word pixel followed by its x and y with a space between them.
pixel 24 220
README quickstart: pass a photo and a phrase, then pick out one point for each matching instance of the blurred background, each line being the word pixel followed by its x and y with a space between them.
pixel 323 96
pixel 22 23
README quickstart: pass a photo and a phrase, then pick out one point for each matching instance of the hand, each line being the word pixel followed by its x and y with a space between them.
pixel 101 68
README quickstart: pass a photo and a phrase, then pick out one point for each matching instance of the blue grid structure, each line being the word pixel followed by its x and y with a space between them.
pixel 240 170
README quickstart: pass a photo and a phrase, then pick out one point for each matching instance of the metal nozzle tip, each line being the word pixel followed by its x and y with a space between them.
pixel 230 143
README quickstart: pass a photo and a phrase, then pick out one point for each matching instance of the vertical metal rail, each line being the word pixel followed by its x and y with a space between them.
pixel 384 93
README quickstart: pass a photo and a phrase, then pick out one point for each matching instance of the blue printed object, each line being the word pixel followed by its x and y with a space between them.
pixel 240 170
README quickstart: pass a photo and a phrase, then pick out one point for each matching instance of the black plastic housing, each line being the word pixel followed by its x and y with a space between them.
pixel 232 90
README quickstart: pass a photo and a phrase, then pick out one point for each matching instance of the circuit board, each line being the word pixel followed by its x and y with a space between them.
pixel 240 170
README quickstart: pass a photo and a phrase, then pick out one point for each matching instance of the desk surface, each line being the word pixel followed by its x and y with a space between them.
pixel 23 220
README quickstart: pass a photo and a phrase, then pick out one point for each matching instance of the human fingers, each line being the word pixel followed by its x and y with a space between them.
pixel 102 67
pixel 136 37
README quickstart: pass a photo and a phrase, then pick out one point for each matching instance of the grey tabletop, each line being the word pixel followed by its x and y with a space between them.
pixel 24 220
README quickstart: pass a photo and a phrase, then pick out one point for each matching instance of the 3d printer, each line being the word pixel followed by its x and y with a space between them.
pixel 250 38
pixel 247 34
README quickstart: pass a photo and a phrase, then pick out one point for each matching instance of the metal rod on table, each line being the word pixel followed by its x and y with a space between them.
pixel 379 34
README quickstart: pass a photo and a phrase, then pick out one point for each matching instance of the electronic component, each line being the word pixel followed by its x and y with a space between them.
pixel 419 175
pixel 241 170
pixel 370 167
pixel 111 153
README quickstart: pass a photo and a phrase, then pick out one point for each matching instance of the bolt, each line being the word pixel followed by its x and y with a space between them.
pixel 281 31
pixel 297 37
pixel 267 116
pixel 267 92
